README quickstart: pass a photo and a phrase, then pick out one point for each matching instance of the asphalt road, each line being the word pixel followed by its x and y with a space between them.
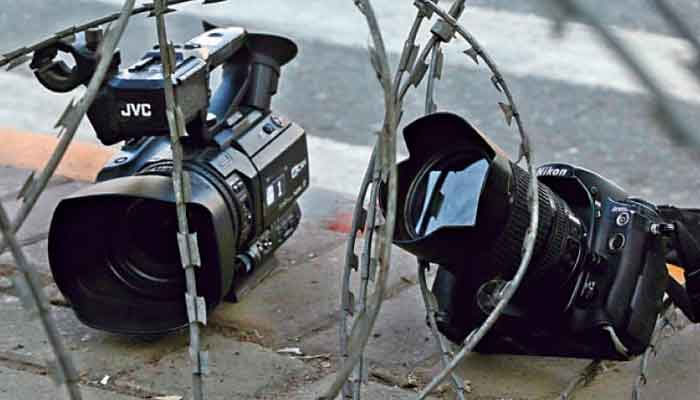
pixel 577 103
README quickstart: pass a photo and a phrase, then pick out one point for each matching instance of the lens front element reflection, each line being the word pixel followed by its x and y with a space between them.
pixel 447 194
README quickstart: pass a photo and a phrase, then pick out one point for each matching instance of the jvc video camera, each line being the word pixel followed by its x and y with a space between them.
pixel 598 274
pixel 113 246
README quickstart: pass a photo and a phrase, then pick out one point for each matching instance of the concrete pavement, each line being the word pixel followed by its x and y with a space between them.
pixel 568 103
pixel 296 306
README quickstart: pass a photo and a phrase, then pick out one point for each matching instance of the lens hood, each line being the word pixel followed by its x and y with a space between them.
pixel 94 239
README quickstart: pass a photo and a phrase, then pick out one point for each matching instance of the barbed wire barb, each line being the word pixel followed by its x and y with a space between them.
pixel 385 161
pixel 187 241
pixel 675 125
pixel 62 368
pixel 532 200
pixel 66 33
pixel 442 32
pixel 431 309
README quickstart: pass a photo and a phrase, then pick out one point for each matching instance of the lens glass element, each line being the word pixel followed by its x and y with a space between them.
pixel 446 193
pixel 144 250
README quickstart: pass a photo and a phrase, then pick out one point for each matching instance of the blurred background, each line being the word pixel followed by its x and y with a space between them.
pixel 578 104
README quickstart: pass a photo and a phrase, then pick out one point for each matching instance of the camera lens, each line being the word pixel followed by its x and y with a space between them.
pixel 128 269
pixel 146 257
pixel 458 197
pixel 446 193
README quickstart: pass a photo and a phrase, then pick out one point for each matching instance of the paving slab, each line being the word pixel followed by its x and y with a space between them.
pixel 95 353
pixel 38 222
pixel 11 180
pixel 27 385
pixel 302 295
pixel 672 374
pixel 370 391
pixel 37 254
pixel 513 377
pixel 239 370
pixel 400 343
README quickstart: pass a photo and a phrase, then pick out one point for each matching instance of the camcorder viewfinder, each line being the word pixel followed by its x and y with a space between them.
pixel 598 275
pixel 113 246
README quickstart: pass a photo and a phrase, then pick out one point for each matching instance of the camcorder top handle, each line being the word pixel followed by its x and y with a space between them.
pixel 131 102
pixel 685 253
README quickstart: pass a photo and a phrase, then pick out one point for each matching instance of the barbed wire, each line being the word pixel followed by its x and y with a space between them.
pixel 182 187
pixel 661 333
pixel 442 32
pixel 63 370
pixel 33 188
pixel 431 309
pixel 33 298
pixel 675 125
pixel 384 161
pixel 678 128
pixel 20 55
pixel 418 66
pixel 381 169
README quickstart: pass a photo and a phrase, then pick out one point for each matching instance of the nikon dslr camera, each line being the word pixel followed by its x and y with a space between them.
pixel 597 278
pixel 113 246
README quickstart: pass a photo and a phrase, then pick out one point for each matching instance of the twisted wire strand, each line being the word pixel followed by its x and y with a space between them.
pixel 533 202
pixel 385 156
pixel 17 57
pixel 347 301
pixel 676 127
pixel 27 280
pixel 410 60
pixel 65 372
pixel 658 337
pixel 189 250
pixel 431 309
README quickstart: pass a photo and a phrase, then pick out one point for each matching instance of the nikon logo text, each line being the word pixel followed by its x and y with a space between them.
pixel 132 110
pixel 551 171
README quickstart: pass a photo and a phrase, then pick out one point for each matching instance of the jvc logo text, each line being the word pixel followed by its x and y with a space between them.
pixel 133 110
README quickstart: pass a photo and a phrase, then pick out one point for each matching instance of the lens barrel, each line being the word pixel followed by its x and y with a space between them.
pixel 463 205
pixel 114 254
pixel 558 249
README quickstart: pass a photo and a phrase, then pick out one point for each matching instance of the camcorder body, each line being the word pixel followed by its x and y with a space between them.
pixel 113 247
pixel 598 275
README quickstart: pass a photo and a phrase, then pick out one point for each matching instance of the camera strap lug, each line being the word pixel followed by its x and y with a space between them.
pixel 661 229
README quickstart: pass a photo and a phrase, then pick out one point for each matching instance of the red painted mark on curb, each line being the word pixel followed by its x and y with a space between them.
pixel 341 223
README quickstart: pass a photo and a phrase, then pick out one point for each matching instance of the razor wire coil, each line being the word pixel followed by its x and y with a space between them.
pixel 381 166
pixel 410 62
pixel 62 369
pixel 417 66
